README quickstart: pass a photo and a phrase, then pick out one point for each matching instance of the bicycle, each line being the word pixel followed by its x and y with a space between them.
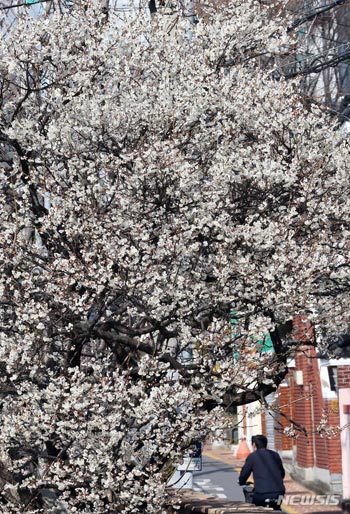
pixel 271 503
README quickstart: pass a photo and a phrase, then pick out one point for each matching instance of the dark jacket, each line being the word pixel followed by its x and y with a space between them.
pixel 267 469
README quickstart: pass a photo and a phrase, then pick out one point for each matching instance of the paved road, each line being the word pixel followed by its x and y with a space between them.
pixel 219 479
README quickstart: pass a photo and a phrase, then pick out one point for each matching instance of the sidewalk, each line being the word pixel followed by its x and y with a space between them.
pixel 295 492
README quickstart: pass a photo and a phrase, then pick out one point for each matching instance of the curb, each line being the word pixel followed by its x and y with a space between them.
pixel 212 455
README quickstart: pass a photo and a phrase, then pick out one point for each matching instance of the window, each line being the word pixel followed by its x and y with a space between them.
pixel 333 377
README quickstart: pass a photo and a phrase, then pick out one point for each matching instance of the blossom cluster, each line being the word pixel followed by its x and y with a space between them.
pixel 157 184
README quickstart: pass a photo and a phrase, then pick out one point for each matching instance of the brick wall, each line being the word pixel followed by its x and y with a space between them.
pixel 285 401
pixel 313 450
pixel 303 408
pixel 334 456
pixel 343 377
pixel 305 405
pixel 304 395
pixel 302 329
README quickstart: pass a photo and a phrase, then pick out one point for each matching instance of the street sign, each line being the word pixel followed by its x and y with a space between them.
pixel 193 459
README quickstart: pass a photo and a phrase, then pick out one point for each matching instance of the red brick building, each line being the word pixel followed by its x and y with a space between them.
pixel 314 401
pixel 314 398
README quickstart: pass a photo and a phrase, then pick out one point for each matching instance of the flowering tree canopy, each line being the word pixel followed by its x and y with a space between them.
pixel 157 182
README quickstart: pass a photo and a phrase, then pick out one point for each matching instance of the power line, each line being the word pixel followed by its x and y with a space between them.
pixel 317 68
pixel 317 56
pixel 334 5
pixel 316 12
pixel 318 36
pixel 310 14
pixel 309 64
pixel 29 4
pixel 26 4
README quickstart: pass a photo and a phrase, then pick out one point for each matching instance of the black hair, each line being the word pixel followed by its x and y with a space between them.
pixel 260 441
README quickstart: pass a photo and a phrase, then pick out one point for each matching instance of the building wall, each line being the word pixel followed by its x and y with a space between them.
pixel 315 457
pixel 344 416
pixel 344 377
pixel 286 406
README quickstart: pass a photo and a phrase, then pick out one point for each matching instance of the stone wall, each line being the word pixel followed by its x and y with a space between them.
pixel 187 501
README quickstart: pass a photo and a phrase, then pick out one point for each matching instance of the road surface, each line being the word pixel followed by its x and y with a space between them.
pixel 217 479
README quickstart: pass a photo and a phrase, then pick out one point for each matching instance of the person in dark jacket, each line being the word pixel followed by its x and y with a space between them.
pixel 268 473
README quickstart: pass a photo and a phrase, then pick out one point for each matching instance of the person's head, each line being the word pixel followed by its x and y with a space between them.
pixel 259 441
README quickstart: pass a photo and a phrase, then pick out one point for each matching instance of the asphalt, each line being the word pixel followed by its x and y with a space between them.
pixel 218 478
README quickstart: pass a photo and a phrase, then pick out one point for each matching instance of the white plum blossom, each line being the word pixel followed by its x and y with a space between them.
pixel 167 205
